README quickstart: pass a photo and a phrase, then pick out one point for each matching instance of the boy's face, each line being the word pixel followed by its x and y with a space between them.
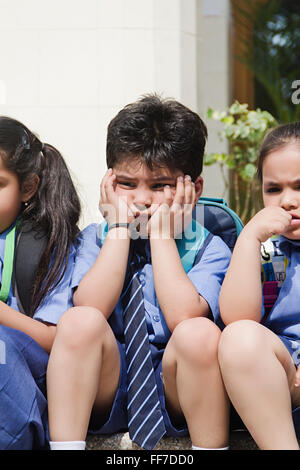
pixel 143 187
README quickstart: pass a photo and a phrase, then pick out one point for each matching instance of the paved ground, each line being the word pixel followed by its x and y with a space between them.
pixel 239 440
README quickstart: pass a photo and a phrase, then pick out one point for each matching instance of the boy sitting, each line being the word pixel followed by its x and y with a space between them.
pixel 139 350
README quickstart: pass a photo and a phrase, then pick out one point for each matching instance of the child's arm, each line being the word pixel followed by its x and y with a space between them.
pixel 241 291
pixel 102 285
pixel 42 333
pixel 176 294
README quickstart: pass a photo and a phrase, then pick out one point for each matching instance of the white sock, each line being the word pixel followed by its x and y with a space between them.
pixel 67 445
pixel 205 448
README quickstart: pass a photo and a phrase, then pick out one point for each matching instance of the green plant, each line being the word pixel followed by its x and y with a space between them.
pixel 244 131
pixel 270 41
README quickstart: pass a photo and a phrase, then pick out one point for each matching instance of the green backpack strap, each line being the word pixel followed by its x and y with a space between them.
pixel 8 262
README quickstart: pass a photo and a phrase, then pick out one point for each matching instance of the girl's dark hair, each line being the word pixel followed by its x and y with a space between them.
pixel 54 209
pixel 158 132
pixel 276 138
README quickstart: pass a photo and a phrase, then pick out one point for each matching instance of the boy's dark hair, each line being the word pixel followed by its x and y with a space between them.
pixel 276 138
pixel 161 133
pixel 55 207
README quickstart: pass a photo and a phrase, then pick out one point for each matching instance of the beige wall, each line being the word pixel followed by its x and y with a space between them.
pixel 67 67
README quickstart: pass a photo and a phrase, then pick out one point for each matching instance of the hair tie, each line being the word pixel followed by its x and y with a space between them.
pixel 26 142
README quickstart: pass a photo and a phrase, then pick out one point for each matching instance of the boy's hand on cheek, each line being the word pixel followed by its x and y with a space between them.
pixel 113 208
pixel 171 217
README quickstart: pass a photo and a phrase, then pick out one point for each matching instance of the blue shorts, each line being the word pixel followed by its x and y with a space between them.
pixel 23 405
pixel 293 347
pixel 117 420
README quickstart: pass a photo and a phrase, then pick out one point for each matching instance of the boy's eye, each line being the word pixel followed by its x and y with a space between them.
pixel 127 184
pixel 162 185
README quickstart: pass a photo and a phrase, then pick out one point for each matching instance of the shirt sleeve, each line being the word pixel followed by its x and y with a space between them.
pixel 60 298
pixel 89 245
pixel 208 274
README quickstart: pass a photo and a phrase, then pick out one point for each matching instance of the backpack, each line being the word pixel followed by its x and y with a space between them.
pixel 273 269
pixel 219 219
pixel 29 247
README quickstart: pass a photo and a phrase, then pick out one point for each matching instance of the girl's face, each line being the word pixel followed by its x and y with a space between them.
pixel 11 197
pixel 281 183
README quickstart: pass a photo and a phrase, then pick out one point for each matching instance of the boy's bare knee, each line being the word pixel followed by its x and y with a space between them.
pixel 81 325
pixel 240 344
pixel 197 340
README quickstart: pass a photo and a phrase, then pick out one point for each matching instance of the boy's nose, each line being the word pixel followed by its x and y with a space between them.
pixel 143 200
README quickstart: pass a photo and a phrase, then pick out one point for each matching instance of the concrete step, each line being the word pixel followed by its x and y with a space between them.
pixel 239 440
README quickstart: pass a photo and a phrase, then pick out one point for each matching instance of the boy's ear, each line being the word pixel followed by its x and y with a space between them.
pixel 198 187
pixel 29 188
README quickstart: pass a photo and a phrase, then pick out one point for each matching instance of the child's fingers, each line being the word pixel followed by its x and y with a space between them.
pixel 103 185
pixel 109 187
pixel 189 190
pixel 168 195
pixel 132 210
pixel 180 191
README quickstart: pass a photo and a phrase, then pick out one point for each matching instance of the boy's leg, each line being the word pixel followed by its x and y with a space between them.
pixel 84 368
pixel 193 383
pixel 258 373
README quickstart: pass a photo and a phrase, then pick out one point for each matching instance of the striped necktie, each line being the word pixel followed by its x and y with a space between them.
pixel 145 420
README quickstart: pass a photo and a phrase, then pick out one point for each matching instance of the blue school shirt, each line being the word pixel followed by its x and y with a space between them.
pixel 207 276
pixel 284 318
pixel 57 301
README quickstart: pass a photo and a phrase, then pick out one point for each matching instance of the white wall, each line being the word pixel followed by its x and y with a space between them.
pixel 68 66
pixel 214 79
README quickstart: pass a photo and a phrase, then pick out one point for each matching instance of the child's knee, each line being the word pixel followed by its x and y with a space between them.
pixel 240 344
pixel 81 326
pixel 197 340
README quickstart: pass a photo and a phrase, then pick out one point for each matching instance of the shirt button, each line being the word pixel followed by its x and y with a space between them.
pixel 156 317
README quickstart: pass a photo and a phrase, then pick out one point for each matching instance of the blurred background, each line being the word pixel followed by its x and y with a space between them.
pixel 68 66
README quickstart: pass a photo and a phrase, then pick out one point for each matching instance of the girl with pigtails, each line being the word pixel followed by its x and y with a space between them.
pixel 37 196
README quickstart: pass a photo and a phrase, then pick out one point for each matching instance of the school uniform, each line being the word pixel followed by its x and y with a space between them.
pixel 210 262
pixel 23 363
pixel 284 317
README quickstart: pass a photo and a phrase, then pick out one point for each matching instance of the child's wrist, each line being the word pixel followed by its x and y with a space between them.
pixel 120 230
pixel 250 236
pixel 120 225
